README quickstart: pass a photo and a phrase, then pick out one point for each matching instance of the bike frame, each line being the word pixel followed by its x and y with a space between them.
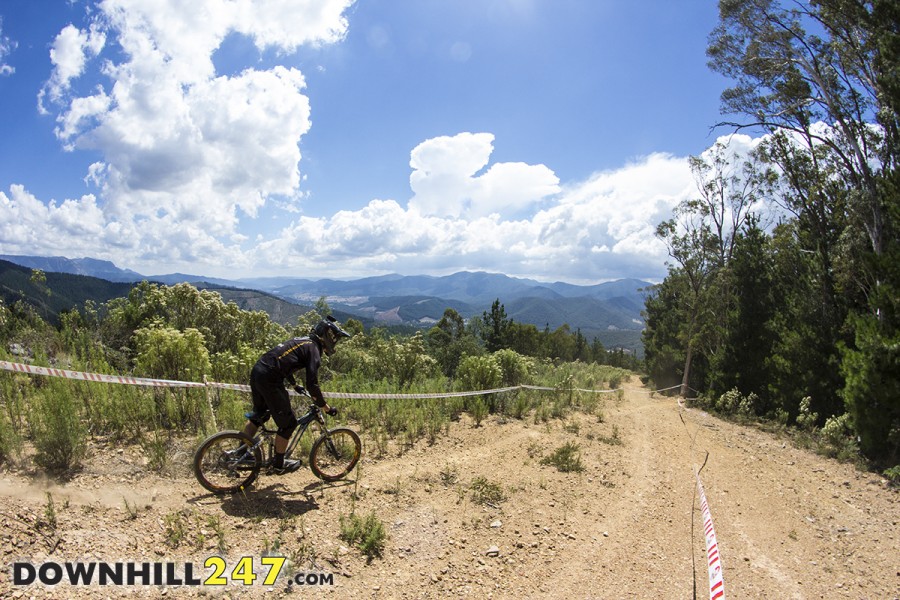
pixel 303 422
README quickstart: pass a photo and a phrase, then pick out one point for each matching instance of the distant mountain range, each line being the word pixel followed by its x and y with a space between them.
pixel 609 311
pixel 101 269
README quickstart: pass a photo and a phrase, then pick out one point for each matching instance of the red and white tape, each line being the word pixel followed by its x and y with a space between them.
pixel 714 562
pixel 103 378
pixel 98 377
pixel 229 386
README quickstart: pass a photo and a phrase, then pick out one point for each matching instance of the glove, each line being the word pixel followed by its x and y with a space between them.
pixel 300 390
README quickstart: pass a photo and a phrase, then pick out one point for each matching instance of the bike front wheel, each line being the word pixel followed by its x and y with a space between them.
pixel 335 454
pixel 227 462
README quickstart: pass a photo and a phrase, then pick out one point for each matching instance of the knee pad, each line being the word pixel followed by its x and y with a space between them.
pixel 286 422
pixel 286 432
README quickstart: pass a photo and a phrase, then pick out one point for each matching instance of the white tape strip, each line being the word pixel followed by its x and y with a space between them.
pixel 98 377
pixel 423 396
pixel 714 563
pixel 550 389
pixel 229 386
pixel 102 378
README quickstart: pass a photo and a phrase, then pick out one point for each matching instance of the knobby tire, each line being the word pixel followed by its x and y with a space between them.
pixel 223 473
pixel 335 454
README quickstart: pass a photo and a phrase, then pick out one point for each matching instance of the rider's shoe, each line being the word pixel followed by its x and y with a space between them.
pixel 289 467
pixel 246 458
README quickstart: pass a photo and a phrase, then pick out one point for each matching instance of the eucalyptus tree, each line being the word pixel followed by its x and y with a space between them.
pixel 816 76
pixel 449 341
pixel 749 336
pixel 692 246
pixel 701 239
pixel 821 79
pixel 663 341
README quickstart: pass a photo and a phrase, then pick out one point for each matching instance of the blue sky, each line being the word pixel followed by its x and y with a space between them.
pixel 331 138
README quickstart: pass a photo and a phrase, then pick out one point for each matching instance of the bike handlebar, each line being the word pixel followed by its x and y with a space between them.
pixel 332 412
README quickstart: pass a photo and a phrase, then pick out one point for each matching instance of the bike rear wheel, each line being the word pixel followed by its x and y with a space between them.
pixel 335 454
pixel 226 462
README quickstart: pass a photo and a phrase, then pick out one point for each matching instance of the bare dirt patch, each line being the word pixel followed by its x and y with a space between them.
pixel 789 523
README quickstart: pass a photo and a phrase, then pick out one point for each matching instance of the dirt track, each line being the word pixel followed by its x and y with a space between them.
pixel 790 524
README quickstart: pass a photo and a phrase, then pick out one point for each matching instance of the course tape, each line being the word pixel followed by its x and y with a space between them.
pixel 671 387
pixel 103 378
pixel 714 563
pixel 97 377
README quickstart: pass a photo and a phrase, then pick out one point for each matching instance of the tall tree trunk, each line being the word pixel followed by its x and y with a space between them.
pixel 687 369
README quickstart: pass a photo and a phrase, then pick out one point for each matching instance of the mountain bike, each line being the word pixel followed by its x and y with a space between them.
pixel 229 461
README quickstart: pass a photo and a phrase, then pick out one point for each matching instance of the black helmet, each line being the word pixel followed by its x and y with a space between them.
pixel 328 332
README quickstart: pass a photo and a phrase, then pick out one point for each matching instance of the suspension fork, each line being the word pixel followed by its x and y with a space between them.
pixel 320 417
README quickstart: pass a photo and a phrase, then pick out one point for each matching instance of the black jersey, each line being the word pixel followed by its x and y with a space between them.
pixel 291 356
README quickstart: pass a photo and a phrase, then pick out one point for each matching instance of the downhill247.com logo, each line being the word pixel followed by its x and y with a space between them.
pixel 215 572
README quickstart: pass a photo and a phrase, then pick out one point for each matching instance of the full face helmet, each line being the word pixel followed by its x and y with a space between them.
pixel 328 332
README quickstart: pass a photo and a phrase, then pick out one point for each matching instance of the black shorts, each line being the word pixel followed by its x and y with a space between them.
pixel 270 398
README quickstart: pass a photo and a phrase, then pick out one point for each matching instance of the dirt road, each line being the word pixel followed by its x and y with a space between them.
pixel 478 515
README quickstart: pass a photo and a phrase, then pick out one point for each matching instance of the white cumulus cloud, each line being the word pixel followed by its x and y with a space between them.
pixel 189 157
pixel 69 54
pixel 601 228
pixel 598 229
pixel 75 227
pixel 186 150
pixel 445 178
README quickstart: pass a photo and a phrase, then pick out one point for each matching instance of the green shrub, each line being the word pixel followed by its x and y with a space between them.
pixel 377 357
pixel 381 438
pixel 836 429
pixel 414 425
pixel 166 353
pixel 614 439
pixel 520 405
pixel 60 438
pixel 13 388
pixel 615 380
pixel 749 405
pixel 366 533
pixel 234 366
pixel 157 446
pixel 515 369
pixel 10 442
pixel 541 413
pixel 837 440
pixel 12 415
pixel 479 373
pixel 486 492
pixel 729 402
pixel 478 409
pixel 231 409
pixel 49 520
pixel 806 419
pixel 781 416
pixel 437 420
pixel 560 407
pixel 177 527
pixel 566 458
pixel 893 475
pixel 120 411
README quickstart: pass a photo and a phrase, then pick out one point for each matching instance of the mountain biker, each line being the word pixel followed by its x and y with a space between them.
pixel 270 397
